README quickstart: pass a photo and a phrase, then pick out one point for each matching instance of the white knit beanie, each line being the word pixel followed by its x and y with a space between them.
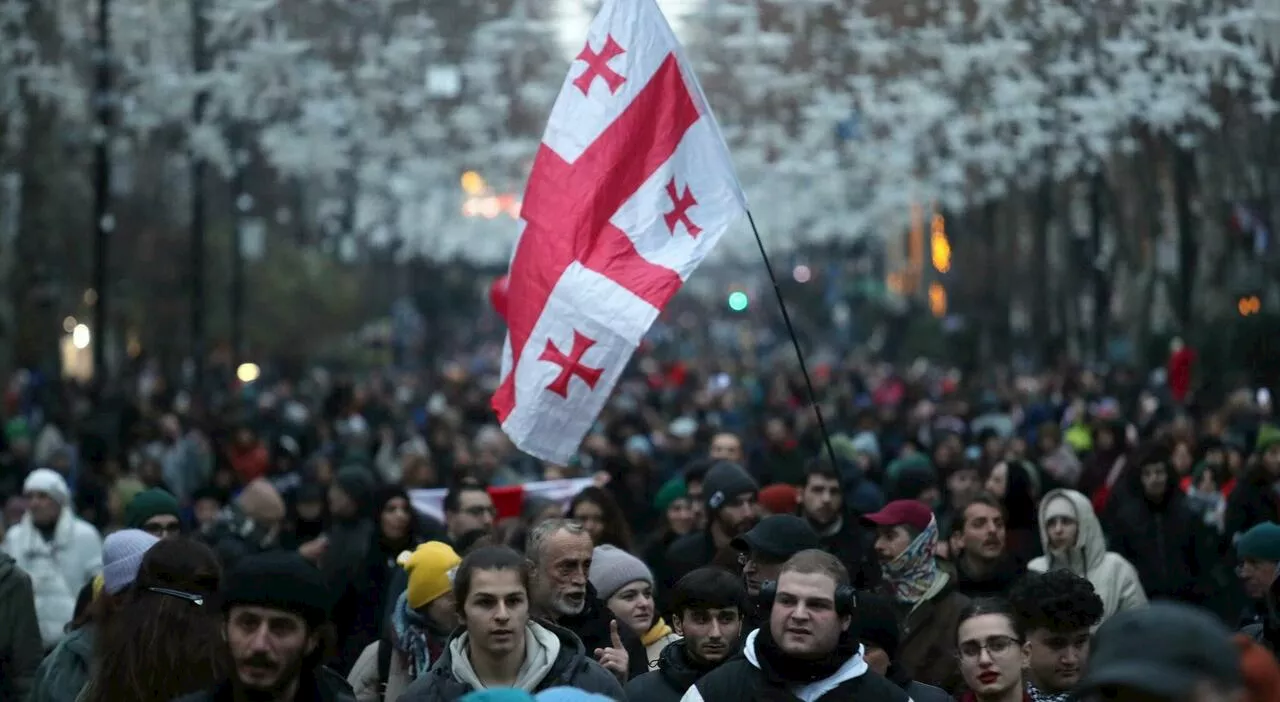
pixel 612 569
pixel 48 482
pixel 122 554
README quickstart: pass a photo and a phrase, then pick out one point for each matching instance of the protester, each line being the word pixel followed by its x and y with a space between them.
pixel 1167 652
pixel 672 503
pixel 764 549
pixel 984 567
pixel 1073 540
pixel 467 507
pixel 603 519
pixel 250 525
pixel 275 609
pixel 499 644
pixel 707 608
pixel 163 641
pixel 60 552
pixel 729 497
pixel 1054 613
pixel 559 553
pixel 822 504
pixel 156 512
pixel 1258 556
pixel 990 657
pixel 807 649
pixel 906 540
pixel 625 584
pixel 20 642
pixel 881 635
pixel 422 618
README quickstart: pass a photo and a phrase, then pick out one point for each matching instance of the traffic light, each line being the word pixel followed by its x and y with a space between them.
pixel 738 301
pixel 937 300
pixel 939 245
pixel 1249 305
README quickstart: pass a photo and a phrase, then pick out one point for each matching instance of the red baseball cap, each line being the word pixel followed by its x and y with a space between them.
pixel 913 513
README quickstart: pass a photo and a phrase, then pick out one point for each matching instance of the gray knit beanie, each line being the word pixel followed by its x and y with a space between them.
pixel 612 568
pixel 122 554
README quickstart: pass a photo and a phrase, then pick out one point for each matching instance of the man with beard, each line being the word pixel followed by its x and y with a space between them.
pixel 822 505
pixel 559 553
pixel 1057 612
pixel 807 650
pixel 707 607
pixel 276 611
pixel 730 495
pixel 983 566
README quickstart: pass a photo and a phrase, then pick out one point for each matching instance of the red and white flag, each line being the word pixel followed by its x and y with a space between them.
pixel 508 500
pixel 631 188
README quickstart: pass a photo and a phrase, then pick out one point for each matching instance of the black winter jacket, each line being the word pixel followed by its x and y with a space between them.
pixel 322 685
pixel 675 675
pixel 572 668
pixel 591 625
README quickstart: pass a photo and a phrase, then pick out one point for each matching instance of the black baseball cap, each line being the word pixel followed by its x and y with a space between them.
pixel 779 536
pixel 1163 649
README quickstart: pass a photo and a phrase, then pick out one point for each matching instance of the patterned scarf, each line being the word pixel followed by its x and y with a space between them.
pixel 411 636
pixel 912 573
pixel 1037 696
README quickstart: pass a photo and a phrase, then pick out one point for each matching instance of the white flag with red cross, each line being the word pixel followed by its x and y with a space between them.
pixel 632 186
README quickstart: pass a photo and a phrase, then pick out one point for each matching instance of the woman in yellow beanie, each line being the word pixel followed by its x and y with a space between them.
pixel 421 621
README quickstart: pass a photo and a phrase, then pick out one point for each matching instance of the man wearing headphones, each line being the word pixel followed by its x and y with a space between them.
pixel 807 649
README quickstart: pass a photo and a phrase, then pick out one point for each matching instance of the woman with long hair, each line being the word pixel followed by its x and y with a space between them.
pixel 165 640
pixel 602 518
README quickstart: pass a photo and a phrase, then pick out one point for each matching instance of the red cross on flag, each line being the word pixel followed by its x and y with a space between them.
pixel 632 186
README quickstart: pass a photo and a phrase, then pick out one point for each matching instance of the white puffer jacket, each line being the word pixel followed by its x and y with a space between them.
pixel 58 568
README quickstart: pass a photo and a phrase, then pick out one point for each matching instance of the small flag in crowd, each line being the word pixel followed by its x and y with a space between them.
pixel 507 500
pixel 632 186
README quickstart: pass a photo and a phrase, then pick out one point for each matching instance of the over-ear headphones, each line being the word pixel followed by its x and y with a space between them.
pixel 846 598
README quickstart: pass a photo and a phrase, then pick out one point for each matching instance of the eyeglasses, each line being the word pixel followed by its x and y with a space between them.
pixel 197 600
pixel 163 529
pixel 996 646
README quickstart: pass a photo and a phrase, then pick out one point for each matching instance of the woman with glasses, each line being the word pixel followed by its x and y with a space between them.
pixel 165 640
pixel 988 645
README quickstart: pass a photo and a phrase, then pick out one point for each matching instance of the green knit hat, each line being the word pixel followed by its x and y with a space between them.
pixel 672 490
pixel 1268 436
pixel 1260 543
pixel 147 504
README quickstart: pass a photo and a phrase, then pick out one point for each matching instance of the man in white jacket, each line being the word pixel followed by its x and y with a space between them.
pixel 59 551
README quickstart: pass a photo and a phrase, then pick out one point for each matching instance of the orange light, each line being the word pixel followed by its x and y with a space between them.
pixel 937 300
pixel 941 248
pixel 1248 306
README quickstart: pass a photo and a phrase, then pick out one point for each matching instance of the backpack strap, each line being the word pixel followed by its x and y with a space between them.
pixel 384 666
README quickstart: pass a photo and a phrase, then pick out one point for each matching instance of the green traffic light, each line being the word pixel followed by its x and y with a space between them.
pixel 738 301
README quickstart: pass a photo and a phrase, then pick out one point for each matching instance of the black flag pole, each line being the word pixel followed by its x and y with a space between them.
pixel 795 342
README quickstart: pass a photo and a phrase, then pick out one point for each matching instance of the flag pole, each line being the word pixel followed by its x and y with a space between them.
pixel 795 343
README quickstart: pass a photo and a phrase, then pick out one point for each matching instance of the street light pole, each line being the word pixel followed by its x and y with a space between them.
pixel 243 203
pixel 200 61
pixel 103 220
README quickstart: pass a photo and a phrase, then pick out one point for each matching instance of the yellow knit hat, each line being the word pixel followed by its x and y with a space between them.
pixel 430 569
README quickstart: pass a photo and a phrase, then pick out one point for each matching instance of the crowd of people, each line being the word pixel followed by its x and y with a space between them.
pixel 1033 538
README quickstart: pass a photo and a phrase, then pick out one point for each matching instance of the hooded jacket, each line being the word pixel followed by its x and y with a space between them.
pixel 742 678
pixel 64 672
pixel 20 644
pixel 676 673
pixel 1115 579
pixel 1163 540
pixel 566 664
pixel 58 567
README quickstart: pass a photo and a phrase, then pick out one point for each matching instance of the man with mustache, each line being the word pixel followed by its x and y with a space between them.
pixel 1057 612
pixel 276 609
pixel 730 496
pixel 707 607
pixel 559 553
pixel 984 567
pixel 808 649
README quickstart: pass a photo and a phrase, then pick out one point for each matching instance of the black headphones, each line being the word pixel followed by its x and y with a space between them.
pixel 846 598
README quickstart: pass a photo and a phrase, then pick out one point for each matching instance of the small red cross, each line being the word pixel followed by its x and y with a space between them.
pixel 680 210
pixel 571 365
pixel 598 66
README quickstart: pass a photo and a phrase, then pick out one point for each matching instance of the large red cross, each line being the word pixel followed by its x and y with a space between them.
pixel 680 205
pixel 567 208
pixel 571 365
pixel 598 66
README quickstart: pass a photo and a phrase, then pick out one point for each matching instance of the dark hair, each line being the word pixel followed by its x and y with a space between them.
pixel 989 605
pixel 487 558
pixel 815 561
pixel 160 646
pixel 382 498
pixel 982 498
pixel 1059 601
pixel 474 539
pixel 84 602
pixel 616 531
pixel 696 471
pixel 453 498
pixel 820 467
pixel 706 588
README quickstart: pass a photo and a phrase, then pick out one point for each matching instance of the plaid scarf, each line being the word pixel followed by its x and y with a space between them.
pixel 1038 696
pixel 912 573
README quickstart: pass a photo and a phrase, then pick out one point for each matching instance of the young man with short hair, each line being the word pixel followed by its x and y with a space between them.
pixel 1057 612
pixel 822 504
pixel 500 644
pixel 808 649
pixel 984 567
pixel 467 507
pixel 707 608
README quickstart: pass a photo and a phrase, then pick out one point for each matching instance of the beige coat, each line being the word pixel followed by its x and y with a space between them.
pixel 364 676
pixel 1114 578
